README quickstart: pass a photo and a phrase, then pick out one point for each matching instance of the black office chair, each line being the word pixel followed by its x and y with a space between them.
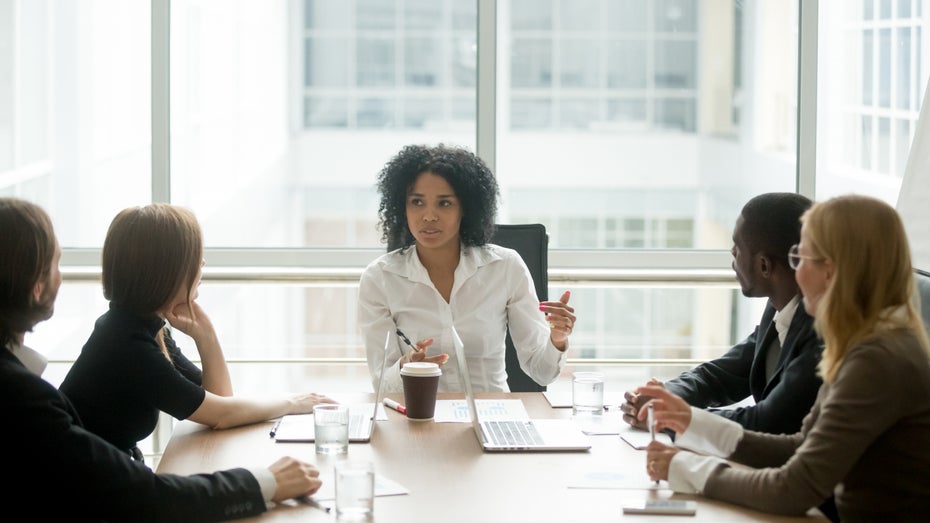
pixel 532 243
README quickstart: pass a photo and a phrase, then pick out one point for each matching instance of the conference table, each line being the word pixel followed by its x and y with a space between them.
pixel 448 477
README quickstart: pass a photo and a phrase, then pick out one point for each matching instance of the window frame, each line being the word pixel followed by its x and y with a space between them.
pixel 77 261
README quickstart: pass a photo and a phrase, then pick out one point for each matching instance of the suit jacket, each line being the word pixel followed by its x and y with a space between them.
pixel 58 471
pixel 782 401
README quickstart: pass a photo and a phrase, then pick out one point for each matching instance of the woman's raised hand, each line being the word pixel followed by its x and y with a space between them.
pixel 561 318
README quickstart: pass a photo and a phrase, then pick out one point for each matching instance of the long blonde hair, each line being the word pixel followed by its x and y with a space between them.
pixel 865 241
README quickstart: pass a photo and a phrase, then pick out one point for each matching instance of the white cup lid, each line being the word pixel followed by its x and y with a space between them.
pixel 421 368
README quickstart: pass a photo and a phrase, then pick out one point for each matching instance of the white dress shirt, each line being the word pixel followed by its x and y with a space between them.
pixel 492 287
pixel 782 324
pixel 30 358
pixel 784 317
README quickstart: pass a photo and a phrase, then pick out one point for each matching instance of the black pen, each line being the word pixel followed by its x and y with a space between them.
pixel 307 500
pixel 274 430
pixel 407 341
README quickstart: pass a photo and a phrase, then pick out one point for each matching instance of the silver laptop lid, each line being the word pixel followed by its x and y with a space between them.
pixel 465 378
pixel 387 345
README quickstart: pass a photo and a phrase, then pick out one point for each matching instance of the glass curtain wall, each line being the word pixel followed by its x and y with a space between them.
pixel 633 129
pixel 75 133
pixel 593 95
pixel 872 77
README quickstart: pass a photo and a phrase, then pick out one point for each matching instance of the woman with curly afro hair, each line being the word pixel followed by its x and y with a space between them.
pixel 437 211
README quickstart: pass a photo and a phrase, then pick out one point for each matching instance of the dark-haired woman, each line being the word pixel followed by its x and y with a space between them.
pixel 438 204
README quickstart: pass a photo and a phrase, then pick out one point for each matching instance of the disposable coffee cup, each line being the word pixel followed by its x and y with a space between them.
pixel 421 381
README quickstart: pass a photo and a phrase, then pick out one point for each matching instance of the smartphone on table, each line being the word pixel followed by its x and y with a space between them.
pixel 665 507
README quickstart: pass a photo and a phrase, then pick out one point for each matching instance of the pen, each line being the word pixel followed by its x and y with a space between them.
pixel 274 429
pixel 407 341
pixel 394 405
pixel 652 424
pixel 307 500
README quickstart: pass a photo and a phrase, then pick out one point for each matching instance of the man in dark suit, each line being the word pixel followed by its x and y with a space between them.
pixel 57 470
pixel 776 364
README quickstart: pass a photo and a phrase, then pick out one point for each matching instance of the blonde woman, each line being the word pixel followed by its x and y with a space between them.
pixel 130 368
pixel 867 437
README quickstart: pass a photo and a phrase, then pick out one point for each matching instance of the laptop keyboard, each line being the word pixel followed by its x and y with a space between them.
pixel 513 433
pixel 360 420
pixel 355 422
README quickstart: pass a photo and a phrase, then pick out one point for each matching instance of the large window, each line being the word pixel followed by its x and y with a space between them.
pixel 599 93
pixel 75 133
pixel 75 126
pixel 597 64
pixel 375 64
pixel 296 124
pixel 873 74
pixel 633 129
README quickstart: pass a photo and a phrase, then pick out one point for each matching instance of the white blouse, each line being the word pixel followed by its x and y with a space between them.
pixel 492 287
pixel 714 437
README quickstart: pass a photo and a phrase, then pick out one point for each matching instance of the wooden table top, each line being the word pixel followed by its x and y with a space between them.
pixel 449 477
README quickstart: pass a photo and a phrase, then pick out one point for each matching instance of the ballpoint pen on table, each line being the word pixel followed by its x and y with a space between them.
pixel 307 500
pixel 274 429
pixel 650 420
pixel 395 405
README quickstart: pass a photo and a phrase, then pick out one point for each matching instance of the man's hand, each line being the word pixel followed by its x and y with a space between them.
pixel 633 403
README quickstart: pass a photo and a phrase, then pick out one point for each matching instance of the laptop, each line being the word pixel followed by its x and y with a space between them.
pixel 523 435
pixel 294 428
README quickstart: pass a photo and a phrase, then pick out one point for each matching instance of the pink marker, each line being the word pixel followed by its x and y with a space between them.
pixel 394 405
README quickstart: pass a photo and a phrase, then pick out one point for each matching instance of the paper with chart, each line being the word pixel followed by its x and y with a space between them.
pixel 615 478
pixel 639 439
pixel 383 487
pixel 456 411
pixel 609 423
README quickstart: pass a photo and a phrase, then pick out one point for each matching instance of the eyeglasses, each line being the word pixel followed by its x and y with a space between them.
pixel 795 257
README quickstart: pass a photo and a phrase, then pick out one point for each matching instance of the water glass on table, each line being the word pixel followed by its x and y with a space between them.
pixel 588 393
pixel 331 428
pixel 355 490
